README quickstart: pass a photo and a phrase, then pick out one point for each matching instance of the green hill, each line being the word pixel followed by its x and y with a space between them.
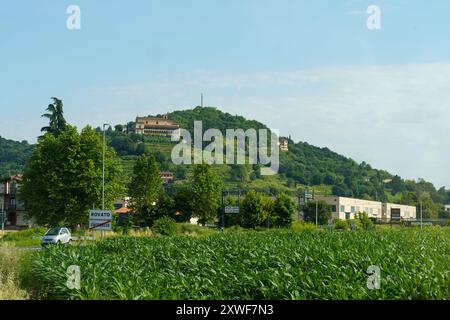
pixel 303 166
pixel 13 156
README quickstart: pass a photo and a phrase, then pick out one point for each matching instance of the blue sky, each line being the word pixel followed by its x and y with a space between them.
pixel 309 68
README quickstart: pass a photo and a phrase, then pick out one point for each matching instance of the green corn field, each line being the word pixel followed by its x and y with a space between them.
pixel 276 264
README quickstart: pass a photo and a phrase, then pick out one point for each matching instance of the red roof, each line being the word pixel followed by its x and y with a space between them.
pixel 122 210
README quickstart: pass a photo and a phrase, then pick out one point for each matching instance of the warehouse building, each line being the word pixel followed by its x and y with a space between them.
pixel 346 208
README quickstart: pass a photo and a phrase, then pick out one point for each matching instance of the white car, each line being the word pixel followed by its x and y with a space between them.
pixel 56 236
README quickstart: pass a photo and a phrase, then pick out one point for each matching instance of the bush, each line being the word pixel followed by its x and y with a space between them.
pixel 303 226
pixel 283 210
pixel 165 226
pixel 339 224
pixel 193 230
pixel 254 210
pixel 365 221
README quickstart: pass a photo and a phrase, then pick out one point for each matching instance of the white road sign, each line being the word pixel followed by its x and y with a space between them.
pixel 231 209
pixel 100 219
pixel 100 224
pixel 100 215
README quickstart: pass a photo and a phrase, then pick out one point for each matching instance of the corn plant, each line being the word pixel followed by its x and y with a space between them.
pixel 276 264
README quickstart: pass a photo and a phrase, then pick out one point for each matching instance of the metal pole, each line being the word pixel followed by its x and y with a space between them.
pixel 317 209
pixel 421 214
pixel 3 215
pixel 223 210
pixel 103 166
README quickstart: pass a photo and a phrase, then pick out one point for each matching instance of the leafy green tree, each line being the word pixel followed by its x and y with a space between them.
pixel 323 212
pixel 62 179
pixel 145 190
pixel 283 210
pixel 206 193
pixel 118 128
pixel 254 210
pixel 182 202
pixel 397 185
pixel 55 115
pixel 430 210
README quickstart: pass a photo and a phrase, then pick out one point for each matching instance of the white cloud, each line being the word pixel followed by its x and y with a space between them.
pixel 394 117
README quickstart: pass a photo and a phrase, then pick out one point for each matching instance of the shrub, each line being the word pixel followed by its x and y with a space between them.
pixel 283 209
pixel 339 224
pixel 365 221
pixel 165 226
pixel 254 210
pixel 303 226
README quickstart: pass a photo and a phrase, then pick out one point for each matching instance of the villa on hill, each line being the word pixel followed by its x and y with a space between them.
pixel 154 126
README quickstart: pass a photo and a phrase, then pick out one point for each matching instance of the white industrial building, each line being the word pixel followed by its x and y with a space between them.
pixel 347 208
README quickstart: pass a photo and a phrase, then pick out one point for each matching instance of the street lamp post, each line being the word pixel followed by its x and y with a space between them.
pixel 317 214
pixel 421 214
pixel 103 166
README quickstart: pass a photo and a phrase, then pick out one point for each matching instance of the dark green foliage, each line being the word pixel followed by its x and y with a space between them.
pixel 13 156
pixel 182 202
pixel 145 191
pixel 55 115
pixel 254 210
pixel 206 193
pixel 62 180
pixel 283 210
pixel 211 117
pixel 165 226
pixel 323 212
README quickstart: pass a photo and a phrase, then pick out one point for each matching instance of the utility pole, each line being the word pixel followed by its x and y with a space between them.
pixel 223 210
pixel 201 100
pixel 317 214
pixel 103 166
pixel 3 215
pixel 421 214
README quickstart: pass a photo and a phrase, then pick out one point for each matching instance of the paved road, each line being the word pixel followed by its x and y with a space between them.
pixel 30 248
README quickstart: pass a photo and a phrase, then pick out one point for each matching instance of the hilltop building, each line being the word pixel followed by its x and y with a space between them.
pixel 347 208
pixel 447 207
pixel 284 144
pixel 167 176
pixel 154 126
